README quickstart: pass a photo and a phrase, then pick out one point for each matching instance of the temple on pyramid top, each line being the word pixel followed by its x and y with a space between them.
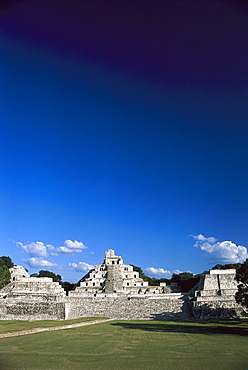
pixel 111 258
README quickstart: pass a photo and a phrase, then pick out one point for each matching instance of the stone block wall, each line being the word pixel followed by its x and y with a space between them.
pixel 219 309
pixel 32 310
pixel 126 308
pixel 215 296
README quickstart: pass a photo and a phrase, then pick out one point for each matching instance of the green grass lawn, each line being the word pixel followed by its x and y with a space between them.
pixel 11 326
pixel 131 345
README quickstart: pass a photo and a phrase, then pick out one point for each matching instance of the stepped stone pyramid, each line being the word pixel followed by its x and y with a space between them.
pixel 115 277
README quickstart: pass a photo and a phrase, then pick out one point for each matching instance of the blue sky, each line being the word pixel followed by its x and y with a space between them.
pixel 124 126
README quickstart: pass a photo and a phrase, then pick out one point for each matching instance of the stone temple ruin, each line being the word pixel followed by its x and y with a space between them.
pixel 113 289
pixel 115 277
pixel 215 295
pixel 26 297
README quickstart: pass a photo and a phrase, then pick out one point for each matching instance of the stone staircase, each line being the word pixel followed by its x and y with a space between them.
pixel 114 280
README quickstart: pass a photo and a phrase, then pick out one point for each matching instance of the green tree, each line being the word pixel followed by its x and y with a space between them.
pixel 6 261
pixel 45 273
pixel 5 264
pixel 4 276
pixel 242 277
pixel 227 266
pixel 67 286
pixel 185 280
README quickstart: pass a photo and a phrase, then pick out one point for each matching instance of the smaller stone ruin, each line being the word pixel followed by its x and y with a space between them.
pixel 28 297
pixel 24 286
pixel 215 295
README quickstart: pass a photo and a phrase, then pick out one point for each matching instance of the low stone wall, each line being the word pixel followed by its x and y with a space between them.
pixel 132 307
pixel 171 306
pixel 219 309
pixel 13 310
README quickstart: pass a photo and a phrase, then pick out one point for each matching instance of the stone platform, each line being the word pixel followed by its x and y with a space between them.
pixel 113 289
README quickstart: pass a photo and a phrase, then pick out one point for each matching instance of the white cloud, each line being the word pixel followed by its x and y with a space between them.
pixel 68 250
pixel 77 245
pixel 50 247
pixel 71 247
pixel 225 252
pixel 178 271
pixel 81 266
pixel 40 262
pixel 201 238
pixel 37 249
pixel 158 272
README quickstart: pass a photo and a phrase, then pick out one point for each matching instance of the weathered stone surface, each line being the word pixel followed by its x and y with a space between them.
pixel 33 298
pixel 173 305
pixel 17 272
pixel 215 295
pixel 112 276
pixel 113 289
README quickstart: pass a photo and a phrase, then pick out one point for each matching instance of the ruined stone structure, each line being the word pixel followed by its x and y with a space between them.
pixel 26 297
pixel 113 289
pixel 113 276
pixel 215 295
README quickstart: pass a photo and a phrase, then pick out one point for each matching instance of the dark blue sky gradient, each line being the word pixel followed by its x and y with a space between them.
pixel 124 125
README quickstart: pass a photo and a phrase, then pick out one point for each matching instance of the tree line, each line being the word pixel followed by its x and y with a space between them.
pixel 5 264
